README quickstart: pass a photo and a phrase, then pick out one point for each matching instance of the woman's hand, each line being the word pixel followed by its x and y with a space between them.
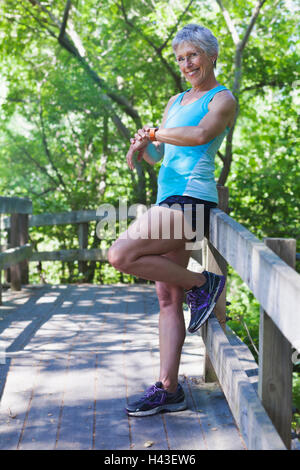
pixel 141 138
pixel 130 155
pixel 138 144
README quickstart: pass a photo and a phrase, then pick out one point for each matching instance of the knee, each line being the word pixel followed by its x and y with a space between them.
pixel 118 257
pixel 115 256
pixel 169 296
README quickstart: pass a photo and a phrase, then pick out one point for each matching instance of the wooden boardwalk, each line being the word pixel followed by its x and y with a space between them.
pixel 70 358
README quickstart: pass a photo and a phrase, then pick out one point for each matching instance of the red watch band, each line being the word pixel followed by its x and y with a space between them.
pixel 152 133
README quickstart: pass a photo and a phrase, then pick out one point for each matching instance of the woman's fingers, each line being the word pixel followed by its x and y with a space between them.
pixel 138 144
pixel 129 158
pixel 130 155
pixel 139 136
pixel 143 134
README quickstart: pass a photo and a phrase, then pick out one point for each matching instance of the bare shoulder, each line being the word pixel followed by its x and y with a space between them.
pixel 224 103
pixel 223 100
pixel 172 99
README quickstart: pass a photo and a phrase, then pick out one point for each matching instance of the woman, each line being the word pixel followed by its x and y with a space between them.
pixel 193 127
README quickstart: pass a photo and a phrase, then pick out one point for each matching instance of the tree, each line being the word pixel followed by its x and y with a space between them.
pixel 65 33
pixel 105 69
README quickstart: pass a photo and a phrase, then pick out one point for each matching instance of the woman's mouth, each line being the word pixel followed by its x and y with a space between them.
pixel 192 72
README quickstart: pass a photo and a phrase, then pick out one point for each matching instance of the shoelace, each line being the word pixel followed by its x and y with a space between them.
pixel 152 390
pixel 195 299
pixel 192 300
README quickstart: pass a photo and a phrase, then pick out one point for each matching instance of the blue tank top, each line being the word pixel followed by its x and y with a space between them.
pixel 189 171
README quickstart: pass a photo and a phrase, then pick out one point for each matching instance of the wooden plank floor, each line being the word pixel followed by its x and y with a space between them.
pixel 71 357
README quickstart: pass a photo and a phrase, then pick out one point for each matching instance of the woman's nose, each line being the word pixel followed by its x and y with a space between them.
pixel 188 64
pixel 188 61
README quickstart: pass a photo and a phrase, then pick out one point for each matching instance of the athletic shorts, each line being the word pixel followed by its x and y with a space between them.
pixel 181 200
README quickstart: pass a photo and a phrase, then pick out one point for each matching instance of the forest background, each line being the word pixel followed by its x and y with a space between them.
pixel 79 77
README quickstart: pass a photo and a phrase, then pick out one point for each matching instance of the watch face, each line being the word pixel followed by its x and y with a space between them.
pixel 152 133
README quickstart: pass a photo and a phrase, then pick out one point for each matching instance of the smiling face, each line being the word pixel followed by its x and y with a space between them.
pixel 196 66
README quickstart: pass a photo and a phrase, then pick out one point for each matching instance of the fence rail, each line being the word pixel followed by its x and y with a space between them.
pixel 14 256
pixel 274 284
pixel 254 424
pixel 15 205
pixel 61 218
pixel 94 254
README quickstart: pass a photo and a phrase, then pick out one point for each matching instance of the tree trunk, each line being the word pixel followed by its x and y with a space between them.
pixel 238 59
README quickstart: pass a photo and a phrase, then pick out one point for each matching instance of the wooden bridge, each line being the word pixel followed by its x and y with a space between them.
pixel 72 355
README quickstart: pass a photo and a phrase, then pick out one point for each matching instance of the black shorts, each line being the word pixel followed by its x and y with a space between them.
pixel 181 200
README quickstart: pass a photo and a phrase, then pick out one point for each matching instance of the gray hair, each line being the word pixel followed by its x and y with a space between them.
pixel 199 36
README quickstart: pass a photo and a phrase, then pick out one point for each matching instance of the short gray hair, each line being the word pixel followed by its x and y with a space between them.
pixel 199 36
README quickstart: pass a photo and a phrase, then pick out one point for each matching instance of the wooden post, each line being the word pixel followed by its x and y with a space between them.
pixel 19 237
pixel 83 234
pixel 15 270
pixel 215 263
pixel 0 252
pixel 7 271
pixel 275 357
pixel 23 227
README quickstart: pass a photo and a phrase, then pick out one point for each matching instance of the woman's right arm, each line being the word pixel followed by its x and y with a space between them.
pixel 151 152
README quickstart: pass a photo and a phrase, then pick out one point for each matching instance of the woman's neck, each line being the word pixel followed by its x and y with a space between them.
pixel 206 85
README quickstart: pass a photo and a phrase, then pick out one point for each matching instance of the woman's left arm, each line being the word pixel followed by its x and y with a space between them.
pixel 220 115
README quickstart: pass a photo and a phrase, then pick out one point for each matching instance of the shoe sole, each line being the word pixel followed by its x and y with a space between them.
pixel 209 311
pixel 172 407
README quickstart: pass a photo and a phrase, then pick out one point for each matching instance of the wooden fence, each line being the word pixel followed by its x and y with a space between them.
pixel 251 390
pixel 19 251
pixel 260 396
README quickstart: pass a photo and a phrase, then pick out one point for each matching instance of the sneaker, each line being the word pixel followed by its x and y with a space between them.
pixel 202 300
pixel 157 399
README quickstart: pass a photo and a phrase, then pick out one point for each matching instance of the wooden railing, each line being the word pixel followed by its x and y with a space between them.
pixel 81 219
pixel 260 396
pixel 16 256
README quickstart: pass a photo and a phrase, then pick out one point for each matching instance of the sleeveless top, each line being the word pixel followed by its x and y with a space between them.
pixel 189 170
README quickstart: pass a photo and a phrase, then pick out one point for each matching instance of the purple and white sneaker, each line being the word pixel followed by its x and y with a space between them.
pixel 202 300
pixel 157 399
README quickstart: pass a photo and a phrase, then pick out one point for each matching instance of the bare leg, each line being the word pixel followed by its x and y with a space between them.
pixel 164 260
pixel 171 326
pixel 137 252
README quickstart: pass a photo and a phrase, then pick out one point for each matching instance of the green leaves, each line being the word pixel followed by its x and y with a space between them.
pixel 54 138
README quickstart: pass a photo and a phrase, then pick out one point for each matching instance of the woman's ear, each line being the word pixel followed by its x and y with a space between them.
pixel 214 60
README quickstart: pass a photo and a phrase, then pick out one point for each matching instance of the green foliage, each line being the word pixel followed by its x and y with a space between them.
pixel 296 402
pixel 59 144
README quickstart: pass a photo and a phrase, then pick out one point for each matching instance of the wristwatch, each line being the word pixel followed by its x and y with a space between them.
pixel 152 133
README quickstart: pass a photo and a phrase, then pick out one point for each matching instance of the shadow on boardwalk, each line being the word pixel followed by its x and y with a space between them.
pixel 76 354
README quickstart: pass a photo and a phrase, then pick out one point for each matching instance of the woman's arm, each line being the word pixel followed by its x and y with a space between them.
pixel 151 152
pixel 221 114
pixel 154 151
